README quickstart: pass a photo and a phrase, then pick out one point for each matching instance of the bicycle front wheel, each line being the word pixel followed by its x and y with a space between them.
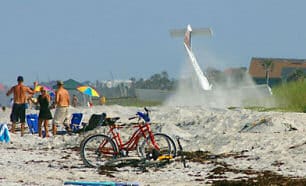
pixel 165 146
pixel 97 149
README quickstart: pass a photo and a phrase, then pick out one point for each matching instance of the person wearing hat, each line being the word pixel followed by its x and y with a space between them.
pixel 20 93
pixel 62 102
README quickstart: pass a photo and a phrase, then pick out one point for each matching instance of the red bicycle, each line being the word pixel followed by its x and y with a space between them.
pixel 98 149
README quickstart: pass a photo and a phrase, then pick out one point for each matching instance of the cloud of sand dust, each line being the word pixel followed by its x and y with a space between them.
pixel 224 94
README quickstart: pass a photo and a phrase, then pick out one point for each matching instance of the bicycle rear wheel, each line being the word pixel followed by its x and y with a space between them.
pixel 97 149
pixel 166 147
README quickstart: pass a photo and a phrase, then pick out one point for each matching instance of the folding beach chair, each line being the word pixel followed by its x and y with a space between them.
pixel 95 120
pixel 76 121
pixel 32 121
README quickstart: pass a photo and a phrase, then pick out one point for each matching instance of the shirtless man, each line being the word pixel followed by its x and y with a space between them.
pixel 20 92
pixel 62 102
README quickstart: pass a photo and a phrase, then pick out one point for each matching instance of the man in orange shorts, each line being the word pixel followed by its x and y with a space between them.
pixel 20 92
pixel 62 102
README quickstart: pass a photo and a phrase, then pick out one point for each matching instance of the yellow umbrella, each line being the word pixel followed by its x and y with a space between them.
pixel 88 91
pixel 49 90
pixel 38 87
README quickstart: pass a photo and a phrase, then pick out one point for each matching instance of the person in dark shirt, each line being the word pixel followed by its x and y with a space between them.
pixel 44 112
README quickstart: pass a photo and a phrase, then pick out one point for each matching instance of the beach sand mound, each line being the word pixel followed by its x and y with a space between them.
pixel 219 144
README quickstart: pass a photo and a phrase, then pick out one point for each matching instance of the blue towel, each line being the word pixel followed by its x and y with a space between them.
pixel 4 133
pixel 106 183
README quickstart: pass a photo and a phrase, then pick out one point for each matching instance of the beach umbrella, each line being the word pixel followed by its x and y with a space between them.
pixel 88 91
pixel 49 90
pixel 38 87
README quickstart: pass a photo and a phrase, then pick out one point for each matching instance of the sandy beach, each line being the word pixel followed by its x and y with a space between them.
pixel 235 139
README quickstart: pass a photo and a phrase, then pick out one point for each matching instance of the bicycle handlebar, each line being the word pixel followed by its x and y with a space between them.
pixel 134 117
pixel 142 115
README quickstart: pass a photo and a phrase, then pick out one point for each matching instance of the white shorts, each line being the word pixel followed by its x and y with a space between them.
pixel 61 116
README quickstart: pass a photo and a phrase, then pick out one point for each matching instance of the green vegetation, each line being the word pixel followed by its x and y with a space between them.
pixel 156 81
pixel 291 96
pixel 288 97
pixel 131 102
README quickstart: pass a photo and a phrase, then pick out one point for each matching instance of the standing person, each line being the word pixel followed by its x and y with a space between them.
pixel 103 100
pixel 20 92
pixel 75 101
pixel 44 111
pixel 61 103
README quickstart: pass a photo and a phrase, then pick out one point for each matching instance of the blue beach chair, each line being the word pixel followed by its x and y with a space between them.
pixel 76 121
pixel 32 121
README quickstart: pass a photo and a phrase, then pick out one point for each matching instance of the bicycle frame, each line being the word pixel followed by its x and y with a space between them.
pixel 144 130
pixel 99 148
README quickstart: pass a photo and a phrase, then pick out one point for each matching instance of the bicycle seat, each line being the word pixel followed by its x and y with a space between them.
pixel 115 118
pixel 110 121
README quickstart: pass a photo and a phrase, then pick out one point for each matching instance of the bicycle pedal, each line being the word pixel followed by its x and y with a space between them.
pixel 154 154
pixel 124 153
pixel 164 157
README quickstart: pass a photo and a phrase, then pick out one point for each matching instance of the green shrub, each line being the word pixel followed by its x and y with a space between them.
pixel 291 96
pixel 131 102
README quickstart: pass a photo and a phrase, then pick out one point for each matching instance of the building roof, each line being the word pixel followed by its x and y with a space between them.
pixel 278 65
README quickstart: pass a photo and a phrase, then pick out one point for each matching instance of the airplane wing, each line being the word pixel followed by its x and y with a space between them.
pixel 177 32
pixel 197 31
pixel 187 33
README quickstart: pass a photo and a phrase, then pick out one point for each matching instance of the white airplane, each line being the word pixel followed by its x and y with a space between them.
pixel 204 83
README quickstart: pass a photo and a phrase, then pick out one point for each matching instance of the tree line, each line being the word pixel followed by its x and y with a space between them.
pixel 162 80
pixel 156 81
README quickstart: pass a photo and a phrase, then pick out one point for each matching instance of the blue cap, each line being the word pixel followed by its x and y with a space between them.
pixel 19 78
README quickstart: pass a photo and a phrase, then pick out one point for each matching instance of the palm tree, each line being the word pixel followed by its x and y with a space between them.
pixel 268 66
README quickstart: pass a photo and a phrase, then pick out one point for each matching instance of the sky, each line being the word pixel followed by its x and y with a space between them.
pixel 105 40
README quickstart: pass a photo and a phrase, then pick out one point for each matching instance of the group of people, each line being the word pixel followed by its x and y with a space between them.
pixel 61 104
